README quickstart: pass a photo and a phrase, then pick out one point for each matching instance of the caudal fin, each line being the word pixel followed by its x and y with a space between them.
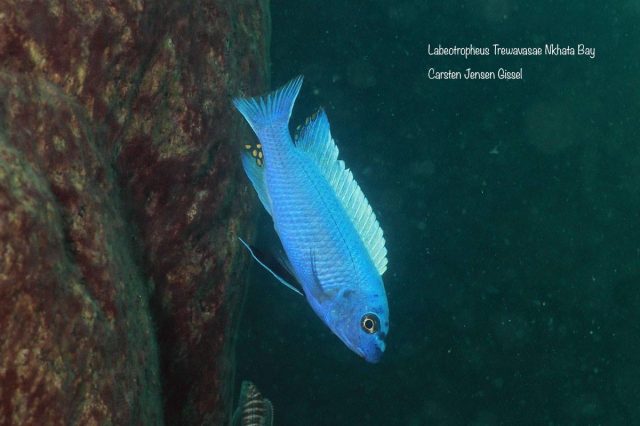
pixel 274 108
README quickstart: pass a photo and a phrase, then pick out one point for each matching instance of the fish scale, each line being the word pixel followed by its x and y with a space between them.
pixel 302 220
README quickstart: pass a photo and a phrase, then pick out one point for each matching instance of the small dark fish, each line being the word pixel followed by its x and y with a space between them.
pixel 253 408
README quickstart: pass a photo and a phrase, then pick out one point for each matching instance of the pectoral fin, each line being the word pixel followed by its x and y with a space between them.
pixel 317 290
pixel 271 264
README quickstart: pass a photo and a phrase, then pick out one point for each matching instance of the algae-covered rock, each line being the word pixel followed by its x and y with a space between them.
pixel 120 200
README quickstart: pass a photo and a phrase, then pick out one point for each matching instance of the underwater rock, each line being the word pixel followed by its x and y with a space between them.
pixel 78 344
pixel 120 200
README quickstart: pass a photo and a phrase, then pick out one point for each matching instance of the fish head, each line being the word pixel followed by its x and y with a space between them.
pixel 354 308
pixel 367 336
pixel 361 320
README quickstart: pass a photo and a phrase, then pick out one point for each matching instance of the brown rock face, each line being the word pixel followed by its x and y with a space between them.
pixel 121 197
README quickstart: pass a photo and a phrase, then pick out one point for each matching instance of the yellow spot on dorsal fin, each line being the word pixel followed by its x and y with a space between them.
pixel 247 146
pixel 254 152
pixel 259 146
pixel 260 154
pixel 259 162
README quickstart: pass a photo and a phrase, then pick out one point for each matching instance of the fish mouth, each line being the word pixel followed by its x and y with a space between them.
pixel 374 356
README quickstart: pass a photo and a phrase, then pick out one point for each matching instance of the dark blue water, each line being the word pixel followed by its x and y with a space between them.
pixel 510 210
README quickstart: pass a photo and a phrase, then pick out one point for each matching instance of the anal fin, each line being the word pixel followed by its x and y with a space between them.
pixel 253 164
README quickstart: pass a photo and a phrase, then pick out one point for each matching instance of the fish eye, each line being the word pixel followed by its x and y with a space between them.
pixel 370 323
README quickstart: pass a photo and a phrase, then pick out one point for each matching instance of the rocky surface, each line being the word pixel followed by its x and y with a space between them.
pixel 120 199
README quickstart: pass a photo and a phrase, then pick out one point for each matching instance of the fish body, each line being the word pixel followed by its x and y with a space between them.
pixel 253 408
pixel 332 240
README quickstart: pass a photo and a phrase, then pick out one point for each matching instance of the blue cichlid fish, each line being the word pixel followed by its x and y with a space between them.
pixel 334 245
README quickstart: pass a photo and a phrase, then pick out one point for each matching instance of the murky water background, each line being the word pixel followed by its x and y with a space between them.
pixel 510 211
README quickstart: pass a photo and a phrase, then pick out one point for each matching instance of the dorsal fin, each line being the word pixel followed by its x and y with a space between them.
pixel 315 139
